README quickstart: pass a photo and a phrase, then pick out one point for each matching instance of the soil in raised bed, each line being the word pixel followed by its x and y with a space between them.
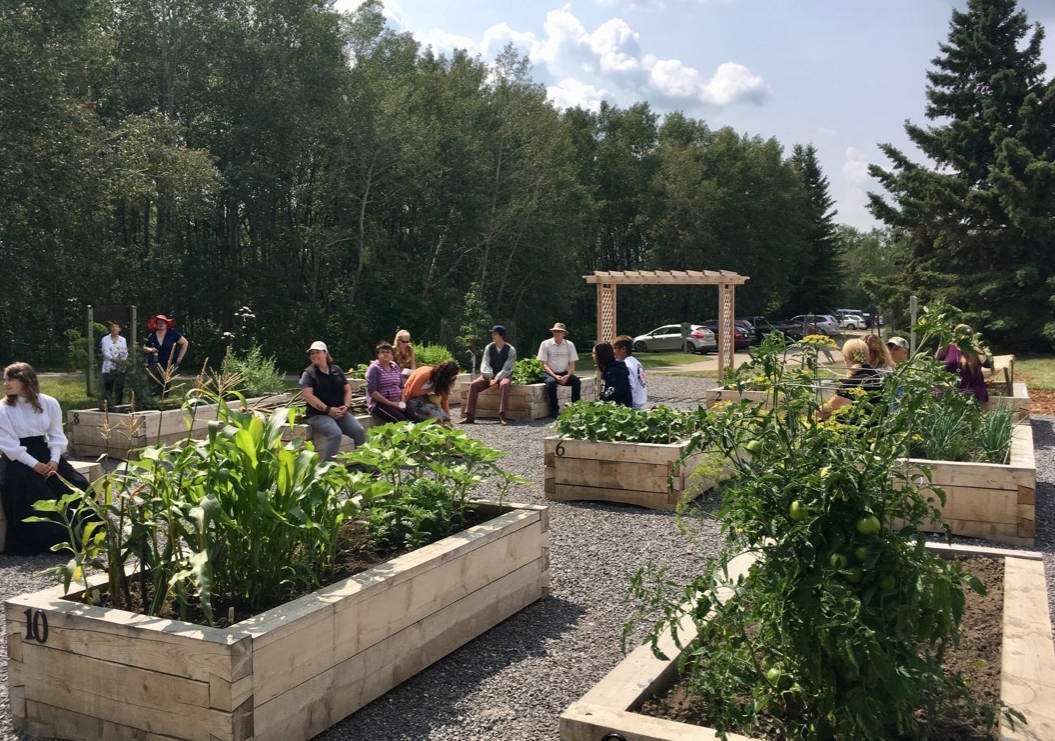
pixel 355 554
pixel 977 658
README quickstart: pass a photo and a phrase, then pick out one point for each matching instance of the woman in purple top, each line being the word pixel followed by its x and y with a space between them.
pixel 384 387
pixel 968 366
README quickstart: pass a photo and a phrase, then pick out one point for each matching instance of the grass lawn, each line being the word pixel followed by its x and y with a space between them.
pixel 661 360
pixel 1038 371
pixel 70 394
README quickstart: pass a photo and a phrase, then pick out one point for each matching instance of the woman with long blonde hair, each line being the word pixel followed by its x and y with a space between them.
pixel 860 374
pixel 878 353
pixel 403 352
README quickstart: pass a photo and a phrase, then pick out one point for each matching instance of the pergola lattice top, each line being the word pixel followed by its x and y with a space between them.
pixel 667 277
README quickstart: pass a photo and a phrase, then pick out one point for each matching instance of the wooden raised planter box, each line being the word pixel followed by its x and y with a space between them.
pixel 1027 681
pixel 526 402
pixel 1019 400
pixel 94 432
pixel 288 673
pixel 631 473
pixel 989 500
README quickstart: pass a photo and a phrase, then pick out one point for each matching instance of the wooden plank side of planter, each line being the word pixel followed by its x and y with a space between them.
pixel 339 691
pixel 1027 678
pixel 1019 401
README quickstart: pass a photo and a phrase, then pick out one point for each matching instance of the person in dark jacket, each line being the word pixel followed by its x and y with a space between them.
pixel 615 377
pixel 328 395
pixel 496 372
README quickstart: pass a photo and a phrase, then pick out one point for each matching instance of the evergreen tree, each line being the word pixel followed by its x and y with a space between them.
pixel 817 281
pixel 981 222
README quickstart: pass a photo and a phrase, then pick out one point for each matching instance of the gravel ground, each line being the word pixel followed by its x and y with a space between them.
pixel 514 681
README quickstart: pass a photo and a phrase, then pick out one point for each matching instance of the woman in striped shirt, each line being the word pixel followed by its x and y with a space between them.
pixel 384 387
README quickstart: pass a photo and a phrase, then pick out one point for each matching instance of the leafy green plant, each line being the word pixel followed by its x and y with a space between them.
pixel 432 354
pixel 598 420
pixel 358 371
pixel 841 624
pixel 528 370
pixel 259 373
pixel 994 433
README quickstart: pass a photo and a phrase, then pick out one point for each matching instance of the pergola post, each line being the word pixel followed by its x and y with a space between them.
pixel 606 312
pixel 726 331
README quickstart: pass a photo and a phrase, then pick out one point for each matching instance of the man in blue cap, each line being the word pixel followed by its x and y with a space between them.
pixel 496 371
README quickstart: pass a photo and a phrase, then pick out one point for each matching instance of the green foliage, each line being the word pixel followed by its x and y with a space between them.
pixel 259 373
pixel 598 420
pixel 840 626
pixel 422 477
pixel 528 370
pixel 432 354
pixel 979 223
pixel 953 427
pixel 475 319
pixel 77 346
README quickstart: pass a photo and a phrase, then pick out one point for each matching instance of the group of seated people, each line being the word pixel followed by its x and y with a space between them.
pixel 398 390
pixel 869 359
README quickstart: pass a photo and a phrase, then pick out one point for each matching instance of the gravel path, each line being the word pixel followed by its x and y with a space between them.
pixel 515 680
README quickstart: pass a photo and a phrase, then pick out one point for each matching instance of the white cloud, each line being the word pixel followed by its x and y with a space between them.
pixel 608 62
pixel 855 169
pixel 569 93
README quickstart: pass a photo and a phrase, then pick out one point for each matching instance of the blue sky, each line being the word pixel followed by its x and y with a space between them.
pixel 842 74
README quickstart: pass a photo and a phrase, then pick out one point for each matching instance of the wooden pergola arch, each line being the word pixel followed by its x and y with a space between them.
pixel 608 280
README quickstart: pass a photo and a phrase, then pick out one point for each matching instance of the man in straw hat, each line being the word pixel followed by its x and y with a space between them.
pixel 558 358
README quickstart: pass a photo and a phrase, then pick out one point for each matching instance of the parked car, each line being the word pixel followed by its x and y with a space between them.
pixel 852 319
pixel 764 326
pixel 825 323
pixel 743 332
pixel 668 337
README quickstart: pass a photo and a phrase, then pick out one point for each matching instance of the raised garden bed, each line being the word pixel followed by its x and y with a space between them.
pixel 526 402
pixel 1027 668
pixel 631 473
pixel 989 500
pixel 93 432
pixel 82 672
pixel 1019 400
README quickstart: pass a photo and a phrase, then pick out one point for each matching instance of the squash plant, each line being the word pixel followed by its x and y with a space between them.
pixel 599 420
pixel 840 627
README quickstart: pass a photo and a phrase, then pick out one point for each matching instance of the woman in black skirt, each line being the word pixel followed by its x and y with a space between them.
pixel 32 439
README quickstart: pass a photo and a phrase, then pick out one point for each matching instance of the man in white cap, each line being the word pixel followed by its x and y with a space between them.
pixel 328 395
pixel 898 347
pixel 558 358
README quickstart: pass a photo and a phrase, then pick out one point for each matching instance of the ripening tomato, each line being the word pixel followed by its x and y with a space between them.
pixel 868 525
pixel 797 511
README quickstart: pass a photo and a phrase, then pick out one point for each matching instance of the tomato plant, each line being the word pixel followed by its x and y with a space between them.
pixel 860 641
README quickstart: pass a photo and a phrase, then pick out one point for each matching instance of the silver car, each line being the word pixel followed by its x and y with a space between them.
pixel 823 322
pixel 669 337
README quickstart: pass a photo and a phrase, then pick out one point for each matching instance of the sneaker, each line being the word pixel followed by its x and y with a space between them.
pixel 466 421
pixel 504 419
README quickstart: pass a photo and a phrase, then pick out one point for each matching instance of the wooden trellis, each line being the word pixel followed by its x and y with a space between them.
pixel 608 280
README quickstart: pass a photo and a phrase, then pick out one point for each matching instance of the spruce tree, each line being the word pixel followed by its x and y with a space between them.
pixel 980 217
pixel 816 280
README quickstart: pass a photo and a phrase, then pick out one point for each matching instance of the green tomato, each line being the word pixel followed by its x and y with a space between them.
pixel 797 511
pixel 861 553
pixel 753 446
pixel 853 575
pixel 887 584
pixel 837 561
pixel 868 525
pixel 778 677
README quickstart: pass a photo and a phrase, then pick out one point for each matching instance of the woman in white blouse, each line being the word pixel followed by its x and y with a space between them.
pixel 31 437
pixel 115 361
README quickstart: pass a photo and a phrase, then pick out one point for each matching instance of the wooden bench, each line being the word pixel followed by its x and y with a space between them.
pixel 1003 366
pixel 90 470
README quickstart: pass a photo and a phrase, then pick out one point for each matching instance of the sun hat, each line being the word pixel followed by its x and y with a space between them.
pixel 559 327
pixel 499 329
pixel 319 345
pixel 152 322
pixel 898 342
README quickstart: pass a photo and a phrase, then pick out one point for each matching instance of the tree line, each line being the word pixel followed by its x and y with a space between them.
pixel 196 157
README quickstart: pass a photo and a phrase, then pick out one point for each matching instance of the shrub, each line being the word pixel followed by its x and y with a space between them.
pixel 259 373
pixel 432 354
pixel 528 370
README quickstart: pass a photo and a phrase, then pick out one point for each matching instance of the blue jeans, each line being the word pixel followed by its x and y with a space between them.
pixel 332 429
pixel 551 391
